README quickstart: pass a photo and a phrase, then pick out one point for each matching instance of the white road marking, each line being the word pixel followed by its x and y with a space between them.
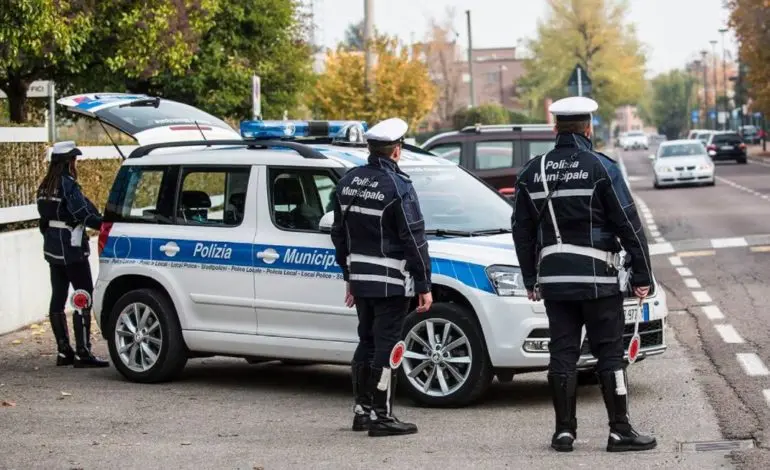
pixel 728 242
pixel 752 364
pixel 675 260
pixel 738 186
pixel 712 312
pixel 684 272
pixel 660 240
pixel 766 393
pixel 701 296
pixel 652 227
pixel 728 334
pixel 692 283
pixel 661 248
pixel 655 233
pixel 635 178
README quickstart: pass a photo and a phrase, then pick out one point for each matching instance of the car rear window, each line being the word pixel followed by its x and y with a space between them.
pixel 139 195
pixel 494 154
pixel 726 138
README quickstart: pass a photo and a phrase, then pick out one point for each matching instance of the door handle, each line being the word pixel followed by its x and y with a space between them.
pixel 170 248
pixel 268 255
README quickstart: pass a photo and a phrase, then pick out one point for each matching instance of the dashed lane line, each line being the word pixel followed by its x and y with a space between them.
pixel 701 296
pixel 728 334
pixel 692 283
pixel 729 242
pixel 760 249
pixel 684 272
pixel 712 312
pixel 675 260
pixel 752 364
pixel 766 393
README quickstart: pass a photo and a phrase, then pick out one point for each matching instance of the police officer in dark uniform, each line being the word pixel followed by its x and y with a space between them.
pixel 572 215
pixel 379 237
pixel 64 214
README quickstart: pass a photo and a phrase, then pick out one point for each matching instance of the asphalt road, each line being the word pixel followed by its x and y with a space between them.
pixel 722 286
pixel 224 413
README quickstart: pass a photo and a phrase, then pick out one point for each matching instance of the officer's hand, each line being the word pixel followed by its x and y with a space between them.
pixel 641 292
pixel 425 301
pixel 533 295
pixel 350 301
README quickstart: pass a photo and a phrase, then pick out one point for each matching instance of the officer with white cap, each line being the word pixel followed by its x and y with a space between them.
pixel 573 213
pixel 64 214
pixel 379 237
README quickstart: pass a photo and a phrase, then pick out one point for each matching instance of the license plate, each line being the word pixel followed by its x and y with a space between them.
pixel 727 147
pixel 633 310
pixel 685 174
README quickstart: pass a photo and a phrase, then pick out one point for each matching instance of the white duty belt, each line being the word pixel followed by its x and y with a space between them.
pixel 612 259
pixel 76 237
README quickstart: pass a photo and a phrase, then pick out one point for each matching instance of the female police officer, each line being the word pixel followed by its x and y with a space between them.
pixel 64 214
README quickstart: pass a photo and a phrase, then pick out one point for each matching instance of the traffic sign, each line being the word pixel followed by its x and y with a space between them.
pixel 579 83
pixel 596 120
pixel 695 116
pixel 712 114
pixel 36 89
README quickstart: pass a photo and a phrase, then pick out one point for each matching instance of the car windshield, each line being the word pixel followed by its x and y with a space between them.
pixel 453 200
pixel 636 134
pixel 682 150
pixel 704 136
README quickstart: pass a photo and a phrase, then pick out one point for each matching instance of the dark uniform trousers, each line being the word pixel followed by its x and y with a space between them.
pixel 604 321
pixel 385 316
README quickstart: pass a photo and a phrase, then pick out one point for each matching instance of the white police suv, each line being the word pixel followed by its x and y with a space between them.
pixel 216 243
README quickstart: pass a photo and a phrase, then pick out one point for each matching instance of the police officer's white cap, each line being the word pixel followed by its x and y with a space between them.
pixel 388 131
pixel 573 108
pixel 64 151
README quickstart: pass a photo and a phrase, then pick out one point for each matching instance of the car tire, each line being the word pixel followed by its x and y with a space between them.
pixel 742 161
pixel 477 374
pixel 170 356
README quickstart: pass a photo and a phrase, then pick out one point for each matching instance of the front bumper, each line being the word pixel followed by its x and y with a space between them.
pixel 684 177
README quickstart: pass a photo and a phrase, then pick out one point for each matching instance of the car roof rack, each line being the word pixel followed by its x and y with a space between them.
pixel 304 150
pixel 506 127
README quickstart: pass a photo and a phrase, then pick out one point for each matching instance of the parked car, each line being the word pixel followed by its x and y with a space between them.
pixel 682 162
pixel 726 145
pixel 704 136
pixel 494 153
pixel 635 140
pixel 221 247
pixel 750 134
pixel 693 134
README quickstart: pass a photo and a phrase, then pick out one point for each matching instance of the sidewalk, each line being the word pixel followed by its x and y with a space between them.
pixel 755 151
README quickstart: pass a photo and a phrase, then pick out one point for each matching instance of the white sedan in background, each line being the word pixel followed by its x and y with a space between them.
pixel 679 162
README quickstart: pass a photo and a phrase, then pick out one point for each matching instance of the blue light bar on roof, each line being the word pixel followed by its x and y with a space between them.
pixel 351 131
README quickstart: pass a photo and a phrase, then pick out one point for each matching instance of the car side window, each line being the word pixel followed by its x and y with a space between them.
pixel 299 198
pixel 212 196
pixel 138 195
pixel 451 152
pixel 494 154
pixel 533 148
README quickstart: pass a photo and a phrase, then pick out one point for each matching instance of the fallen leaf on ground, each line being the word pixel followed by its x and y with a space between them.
pixel 34 326
pixel 16 341
pixel 186 443
pixel 7 403
pixel 66 394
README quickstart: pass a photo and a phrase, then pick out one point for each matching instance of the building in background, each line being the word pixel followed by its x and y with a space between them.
pixel 627 119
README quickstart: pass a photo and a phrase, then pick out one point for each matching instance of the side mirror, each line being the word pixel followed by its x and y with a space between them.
pixel 325 224
pixel 652 157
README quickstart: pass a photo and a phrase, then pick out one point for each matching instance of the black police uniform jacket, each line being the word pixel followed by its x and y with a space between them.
pixel 379 232
pixel 63 218
pixel 595 215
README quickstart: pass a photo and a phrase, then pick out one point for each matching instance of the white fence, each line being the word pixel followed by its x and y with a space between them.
pixel 25 287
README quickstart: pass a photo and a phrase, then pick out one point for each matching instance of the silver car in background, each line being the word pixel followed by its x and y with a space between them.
pixel 679 162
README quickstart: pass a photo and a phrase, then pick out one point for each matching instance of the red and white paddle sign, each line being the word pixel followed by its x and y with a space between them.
pixel 81 300
pixel 635 344
pixel 397 355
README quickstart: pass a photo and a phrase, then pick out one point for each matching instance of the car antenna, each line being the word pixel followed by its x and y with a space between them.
pixel 123 157
pixel 201 131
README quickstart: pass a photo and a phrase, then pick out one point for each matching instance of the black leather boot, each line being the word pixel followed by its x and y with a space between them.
pixel 83 356
pixel 623 437
pixel 363 408
pixel 563 392
pixel 383 423
pixel 65 356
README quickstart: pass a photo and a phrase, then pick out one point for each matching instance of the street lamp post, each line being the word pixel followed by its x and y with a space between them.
pixel 724 73
pixel 716 86
pixel 502 85
pixel 705 89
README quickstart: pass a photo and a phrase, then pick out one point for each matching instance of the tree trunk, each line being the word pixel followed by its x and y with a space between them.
pixel 17 99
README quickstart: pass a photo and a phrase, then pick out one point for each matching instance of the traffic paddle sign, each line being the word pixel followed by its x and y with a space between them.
pixel 397 355
pixel 81 300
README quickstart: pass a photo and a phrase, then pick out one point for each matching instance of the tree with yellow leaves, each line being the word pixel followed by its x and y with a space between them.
pixel 750 18
pixel 402 86
pixel 594 34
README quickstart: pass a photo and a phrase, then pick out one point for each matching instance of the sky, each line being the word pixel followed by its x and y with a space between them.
pixel 674 31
